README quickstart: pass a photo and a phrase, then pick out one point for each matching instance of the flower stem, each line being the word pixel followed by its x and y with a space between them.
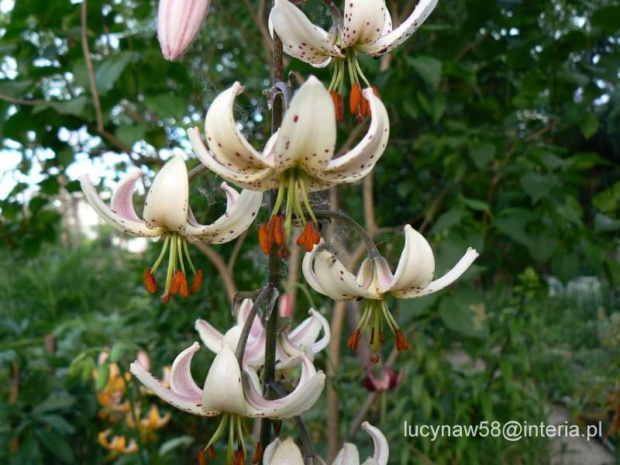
pixel 134 415
pixel 245 332
pixel 275 262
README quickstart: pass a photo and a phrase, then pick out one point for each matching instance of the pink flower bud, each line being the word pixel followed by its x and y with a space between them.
pixel 178 24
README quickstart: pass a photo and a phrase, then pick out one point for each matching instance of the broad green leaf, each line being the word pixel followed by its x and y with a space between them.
pixel 129 134
pixel 57 445
pixel 464 317
pixel 482 154
pixel 513 224
pixel 589 125
pixel 448 219
pixel 52 403
pixel 603 223
pixel 167 105
pixel 108 70
pixel 174 443
pixel 537 186
pixel 541 246
pixel 607 19
pixel 73 107
pixel 428 68
pixel 15 88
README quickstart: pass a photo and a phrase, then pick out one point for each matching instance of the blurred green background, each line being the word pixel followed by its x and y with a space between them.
pixel 505 136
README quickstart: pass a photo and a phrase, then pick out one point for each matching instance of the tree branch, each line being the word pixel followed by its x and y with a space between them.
pixel 220 265
pixel 89 66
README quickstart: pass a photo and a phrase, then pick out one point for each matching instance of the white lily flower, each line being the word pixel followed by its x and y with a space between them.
pixel 287 453
pixel 225 393
pixel 304 339
pixel 178 24
pixel 375 281
pixel 296 159
pixel 167 214
pixel 366 29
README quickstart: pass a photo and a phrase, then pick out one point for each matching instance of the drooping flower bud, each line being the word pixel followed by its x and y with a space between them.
pixel 178 24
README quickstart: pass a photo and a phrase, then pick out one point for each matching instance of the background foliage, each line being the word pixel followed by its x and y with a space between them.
pixel 505 136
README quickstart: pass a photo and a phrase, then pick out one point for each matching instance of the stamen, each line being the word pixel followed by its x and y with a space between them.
pixel 197 281
pixel 278 229
pixel 149 281
pixel 183 290
pixel 354 341
pixel 201 457
pixel 401 341
pixel 175 287
pixel 355 98
pixel 338 105
pixel 374 358
pixel 258 453
pixel 263 239
pixel 211 450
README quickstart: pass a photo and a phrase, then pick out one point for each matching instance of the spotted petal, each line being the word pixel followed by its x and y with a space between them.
pixel 328 276
pixel 303 397
pixel 183 392
pixel 225 140
pixel 393 39
pixel 254 179
pixel 123 220
pixel 447 279
pixel 416 265
pixel 360 160
pixel 240 214
pixel 166 203
pixel 308 132
pixel 301 39
pixel 364 20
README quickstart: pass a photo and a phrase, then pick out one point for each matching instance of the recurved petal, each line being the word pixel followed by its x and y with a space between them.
pixel 238 218
pixel 348 455
pixel 286 453
pixel 166 203
pixel 211 337
pixel 122 198
pixel 257 179
pixel 303 397
pixel 360 160
pixel 306 334
pixel 301 39
pixel 416 265
pixel 308 132
pixel 243 312
pixel 393 39
pixel 382 450
pixel 178 24
pixel 364 21
pixel 226 142
pixel 123 223
pixel 186 398
pixel 447 279
pixel 335 280
pixel 223 390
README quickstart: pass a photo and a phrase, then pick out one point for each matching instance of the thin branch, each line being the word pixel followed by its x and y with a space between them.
pixel 235 253
pixel 220 265
pixel 89 66
pixel 18 101
pixel 264 32
pixel 247 326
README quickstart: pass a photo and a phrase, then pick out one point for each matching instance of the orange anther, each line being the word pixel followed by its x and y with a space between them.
pixel 197 281
pixel 354 340
pixel 338 105
pixel 278 229
pixel 211 451
pixel 258 453
pixel 183 290
pixel 149 281
pixel 401 342
pixel 355 98
pixel 175 286
pixel 201 457
pixel 263 239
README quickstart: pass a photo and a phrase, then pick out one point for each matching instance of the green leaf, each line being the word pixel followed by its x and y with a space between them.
pixel 607 200
pixel 475 204
pixel 56 444
pixel 513 224
pixel 129 134
pixel 15 88
pixel 428 68
pixel 450 218
pixel 482 154
pixel 589 125
pixel 59 402
pixel 58 423
pixel 103 374
pixel 174 443
pixel 603 223
pixel 537 186
pixel 607 19
pixel 464 317
pixel 541 246
pixel 167 105
pixel 108 70
pixel 69 107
